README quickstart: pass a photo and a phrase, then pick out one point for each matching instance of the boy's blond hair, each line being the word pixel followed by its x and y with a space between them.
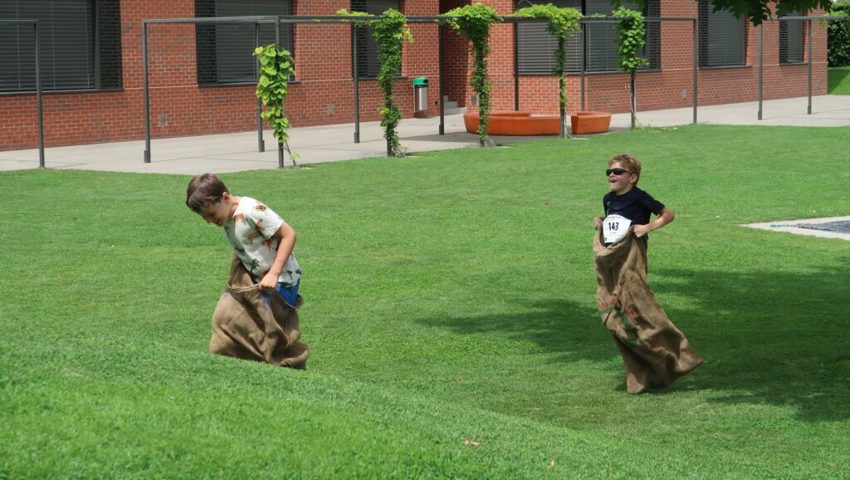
pixel 203 190
pixel 629 162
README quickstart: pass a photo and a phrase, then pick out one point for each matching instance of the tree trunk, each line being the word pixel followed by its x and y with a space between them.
pixel 563 122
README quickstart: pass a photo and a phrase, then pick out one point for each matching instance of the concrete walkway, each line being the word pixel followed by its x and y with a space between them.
pixel 238 151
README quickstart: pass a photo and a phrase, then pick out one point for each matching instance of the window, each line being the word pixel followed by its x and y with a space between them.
pixel 536 46
pixel 791 40
pixel 225 51
pixel 79 45
pixel 368 61
pixel 722 37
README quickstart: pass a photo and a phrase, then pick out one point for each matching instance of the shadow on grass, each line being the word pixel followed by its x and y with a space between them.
pixel 558 326
pixel 772 337
pixel 775 338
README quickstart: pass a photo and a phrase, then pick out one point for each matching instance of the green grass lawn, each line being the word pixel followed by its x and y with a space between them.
pixel 450 309
pixel 839 80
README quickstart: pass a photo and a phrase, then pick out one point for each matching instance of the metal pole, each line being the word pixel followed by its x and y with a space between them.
pixel 695 61
pixel 809 35
pixel 633 100
pixel 761 66
pixel 98 81
pixel 583 60
pixel 146 92
pixel 356 84
pixel 280 158
pixel 440 38
pixel 516 69
pixel 261 144
pixel 39 100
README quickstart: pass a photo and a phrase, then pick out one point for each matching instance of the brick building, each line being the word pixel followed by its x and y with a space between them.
pixel 201 77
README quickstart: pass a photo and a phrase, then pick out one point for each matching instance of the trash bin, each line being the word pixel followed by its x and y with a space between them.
pixel 420 96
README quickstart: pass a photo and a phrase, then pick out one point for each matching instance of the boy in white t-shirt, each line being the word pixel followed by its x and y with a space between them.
pixel 258 235
pixel 260 238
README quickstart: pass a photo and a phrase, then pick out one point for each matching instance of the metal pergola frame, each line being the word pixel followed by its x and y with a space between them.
pixel 294 19
pixel 40 121
pixel 277 20
pixel 334 19
pixel 659 20
pixel 808 20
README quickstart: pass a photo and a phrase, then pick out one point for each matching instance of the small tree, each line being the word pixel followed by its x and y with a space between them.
pixel 276 68
pixel 562 23
pixel 631 33
pixel 389 32
pixel 473 22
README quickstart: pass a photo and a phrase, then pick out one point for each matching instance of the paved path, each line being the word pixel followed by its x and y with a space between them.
pixel 238 151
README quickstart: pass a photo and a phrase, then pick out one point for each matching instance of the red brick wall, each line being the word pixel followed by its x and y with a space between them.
pixel 323 93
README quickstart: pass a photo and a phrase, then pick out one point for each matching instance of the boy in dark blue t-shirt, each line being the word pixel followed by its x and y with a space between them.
pixel 627 200
pixel 655 352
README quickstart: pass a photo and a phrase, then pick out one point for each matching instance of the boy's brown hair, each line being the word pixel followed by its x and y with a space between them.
pixel 204 189
pixel 629 162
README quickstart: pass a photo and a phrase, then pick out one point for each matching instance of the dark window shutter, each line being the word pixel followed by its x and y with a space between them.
pixel 722 37
pixel 791 39
pixel 225 51
pixel 368 61
pixel 652 49
pixel 79 45
pixel 205 43
pixel 601 39
pixel 536 46
pixel 108 45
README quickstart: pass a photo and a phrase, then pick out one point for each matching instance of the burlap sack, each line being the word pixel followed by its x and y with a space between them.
pixel 257 326
pixel 655 352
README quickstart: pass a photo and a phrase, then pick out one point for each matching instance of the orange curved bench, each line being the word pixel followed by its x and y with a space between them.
pixel 515 123
pixel 590 122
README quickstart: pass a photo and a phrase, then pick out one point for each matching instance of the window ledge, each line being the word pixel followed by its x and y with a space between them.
pixel 365 79
pixel 616 72
pixel 725 67
pixel 51 92
pixel 587 72
pixel 239 84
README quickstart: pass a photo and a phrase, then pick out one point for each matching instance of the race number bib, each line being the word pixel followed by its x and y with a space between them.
pixel 614 227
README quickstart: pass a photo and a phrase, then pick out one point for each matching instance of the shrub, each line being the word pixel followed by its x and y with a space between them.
pixel 839 36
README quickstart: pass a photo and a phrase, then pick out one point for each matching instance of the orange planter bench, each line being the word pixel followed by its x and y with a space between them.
pixel 590 122
pixel 515 123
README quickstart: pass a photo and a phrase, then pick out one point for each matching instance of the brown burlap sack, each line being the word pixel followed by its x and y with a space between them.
pixel 655 352
pixel 252 325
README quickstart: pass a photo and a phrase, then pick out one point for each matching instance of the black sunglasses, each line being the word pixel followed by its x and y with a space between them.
pixel 616 171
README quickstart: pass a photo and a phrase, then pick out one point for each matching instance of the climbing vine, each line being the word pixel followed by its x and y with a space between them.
pixel 473 22
pixel 390 32
pixel 631 33
pixel 562 23
pixel 276 68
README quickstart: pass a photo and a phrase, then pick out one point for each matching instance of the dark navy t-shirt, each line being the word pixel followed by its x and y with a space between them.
pixel 636 205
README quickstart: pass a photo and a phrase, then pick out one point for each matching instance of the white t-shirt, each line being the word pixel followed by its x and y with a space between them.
pixel 251 232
